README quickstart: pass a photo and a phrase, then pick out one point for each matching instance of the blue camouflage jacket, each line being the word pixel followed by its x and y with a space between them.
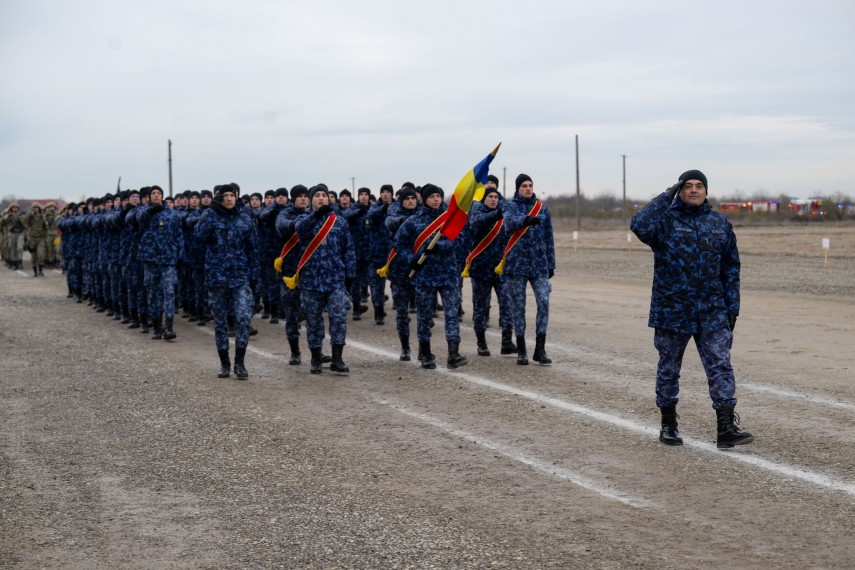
pixel 230 242
pixel 696 265
pixel 333 261
pixel 360 229
pixel 379 244
pixel 286 222
pixel 440 268
pixel 481 221
pixel 399 270
pixel 162 242
pixel 534 254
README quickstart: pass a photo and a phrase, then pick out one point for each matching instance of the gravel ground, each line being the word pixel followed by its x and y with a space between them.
pixel 120 451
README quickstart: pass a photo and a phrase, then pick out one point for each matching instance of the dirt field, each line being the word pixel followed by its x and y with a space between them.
pixel 120 451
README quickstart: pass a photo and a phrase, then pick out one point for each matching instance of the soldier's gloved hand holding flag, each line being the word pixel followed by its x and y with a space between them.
pixel 469 189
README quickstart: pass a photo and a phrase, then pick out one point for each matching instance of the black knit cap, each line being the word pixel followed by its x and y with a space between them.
pixel 155 187
pixel 492 178
pixel 281 192
pixel 187 193
pixel 522 178
pixel 132 192
pixel 299 190
pixel 405 193
pixel 269 193
pixel 145 191
pixel 318 188
pixel 694 175
pixel 430 189
pixel 387 188
pixel 207 193
pixel 194 194
pixel 488 191
pixel 363 190
pixel 345 192
pixel 257 195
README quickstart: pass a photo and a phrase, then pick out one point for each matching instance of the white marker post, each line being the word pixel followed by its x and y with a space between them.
pixel 575 239
pixel 628 242
pixel 826 245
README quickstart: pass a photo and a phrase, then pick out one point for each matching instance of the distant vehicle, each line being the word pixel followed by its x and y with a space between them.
pixel 807 207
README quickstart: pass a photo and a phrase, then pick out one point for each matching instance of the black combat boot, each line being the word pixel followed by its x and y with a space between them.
pixel 427 359
pixel 111 309
pixel 169 334
pixel 185 310
pixel 193 314
pixel 240 370
pixel 508 343
pixel 728 434
pixel 117 309
pixel 275 309
pixel 225 364
pixel 70 292
pixel 522 355
pixel 143 323
pixel 78 295
pixel 295 351
pixel 539 355
pixel 135 320
pixel 41 271
pixel 316 361
pixel 482 344
pixel 157 323
pixel 358 309
pixel 35 271
pixel 201 319
pixel 454 358
pixel 669 435
pixel 265 313
pixel 405 348
pixel 337 365
pixel 379 313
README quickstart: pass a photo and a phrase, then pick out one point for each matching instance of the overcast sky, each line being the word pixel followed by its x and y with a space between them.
pixel 757 94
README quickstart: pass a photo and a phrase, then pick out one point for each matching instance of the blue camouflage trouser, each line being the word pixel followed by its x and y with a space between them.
pixel 130 276
pixel 200 289
pixel 425 296
pixel 270 281
pixel 401 293
pixel 160 283
pixel 336 303
pixel 115 273
pixel 360 280
pixel 378 286
pixel 291 306
pixel 482 290
pixel 225 301
pixel 142 296
pixel 74 272
pixel 714 350
pixel 541 288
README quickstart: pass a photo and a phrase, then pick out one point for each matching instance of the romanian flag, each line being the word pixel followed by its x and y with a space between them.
pixel 469 189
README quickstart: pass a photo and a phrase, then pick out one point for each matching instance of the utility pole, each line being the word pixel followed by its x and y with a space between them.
pixel 624 189
pixel 170 167
pixel 578 191
pixel 353 185
pixel 504 182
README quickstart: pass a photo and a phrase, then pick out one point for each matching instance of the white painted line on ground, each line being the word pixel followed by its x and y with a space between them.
pixel 814 478
pixel 23 273
pixel 790 395
pixel 516 455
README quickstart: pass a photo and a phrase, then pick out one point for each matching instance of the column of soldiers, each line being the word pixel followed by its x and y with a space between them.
pixel 33 231
pixel 308 256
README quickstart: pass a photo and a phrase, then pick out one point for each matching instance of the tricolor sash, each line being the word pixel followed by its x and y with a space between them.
pixel 286 249
pixel 428 231
pixel 515 237
pixel 291 282
pixel 482 245
pixel 383 271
